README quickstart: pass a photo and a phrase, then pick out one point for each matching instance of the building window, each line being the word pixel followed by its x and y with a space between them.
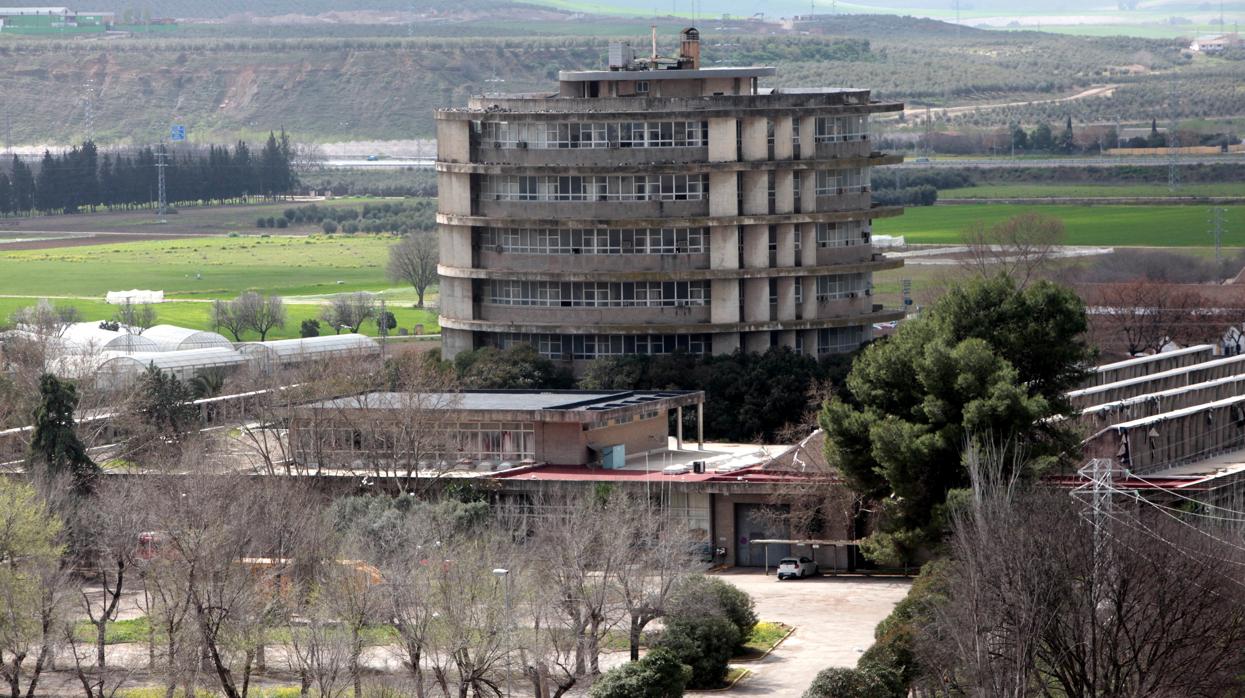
pixel 641 87
pixel 594 346
pixel 603 294
pixel 671 187
pixel 593 134
pixel 839 340
pixel 836 129
pixel 595 240
pixel 844 234
pixel 840 286
pixel 835 182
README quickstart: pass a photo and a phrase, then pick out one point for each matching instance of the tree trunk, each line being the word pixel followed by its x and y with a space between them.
pixel 356 650
pixel 635 638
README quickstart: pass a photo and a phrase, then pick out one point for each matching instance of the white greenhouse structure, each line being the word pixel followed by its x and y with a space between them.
pixel 284 352
pixel 90 337
pixel 119 369
pixel 174 338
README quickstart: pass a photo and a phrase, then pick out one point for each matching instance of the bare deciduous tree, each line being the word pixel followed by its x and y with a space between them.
pixel 1019 247
pixel 135 319
pixel 349 310
pixel 414 261
pixel 1142 316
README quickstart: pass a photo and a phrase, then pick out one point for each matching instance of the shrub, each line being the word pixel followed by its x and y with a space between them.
pixel 283 222
pixel 705 643
pixel 329 226
pixel 261 222
pixel 736 605
pixel 272 222
pixel 289 214
pixel 702 595
pixel 350 227
pixel 850 683
pixel 309 328
pixel 658 674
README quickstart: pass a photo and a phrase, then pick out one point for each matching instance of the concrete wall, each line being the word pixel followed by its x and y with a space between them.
pixel 637 437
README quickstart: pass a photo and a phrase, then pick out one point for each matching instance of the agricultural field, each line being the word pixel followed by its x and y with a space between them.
pixel 1119 225
pixel 1089 191
pixel 193 271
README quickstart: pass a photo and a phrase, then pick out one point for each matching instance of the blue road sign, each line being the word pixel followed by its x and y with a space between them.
pixel 177 133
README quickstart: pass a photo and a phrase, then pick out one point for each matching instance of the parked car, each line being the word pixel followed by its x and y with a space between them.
pixel 796 568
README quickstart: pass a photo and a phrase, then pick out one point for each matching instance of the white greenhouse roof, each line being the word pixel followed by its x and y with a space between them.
pixel 1148 358
pixel 1171 392
pixel 285 350
pixel 174 338
pixel 1156 376
pixel 88 336
pixel 188 359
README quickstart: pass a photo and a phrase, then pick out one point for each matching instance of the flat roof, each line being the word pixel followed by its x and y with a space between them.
pixel 1148 358
pixel 579 402
pixel 697 74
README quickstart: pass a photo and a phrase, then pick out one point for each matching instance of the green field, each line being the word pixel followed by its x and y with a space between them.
pixel 305 270
pixel 1037 191
pixel 1147 226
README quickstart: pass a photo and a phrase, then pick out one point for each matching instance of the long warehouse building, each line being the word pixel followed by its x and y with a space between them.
pixel 659 206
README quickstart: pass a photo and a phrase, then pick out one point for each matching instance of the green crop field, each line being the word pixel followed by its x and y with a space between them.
pixel 214 267
pixel 1143 226
pixel 1085 191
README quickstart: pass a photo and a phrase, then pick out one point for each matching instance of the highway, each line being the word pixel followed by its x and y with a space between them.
pixel 381 164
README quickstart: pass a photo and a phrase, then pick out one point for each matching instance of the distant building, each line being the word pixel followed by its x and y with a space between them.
pixel 1216 44
pixel 660 206
pixel 53 20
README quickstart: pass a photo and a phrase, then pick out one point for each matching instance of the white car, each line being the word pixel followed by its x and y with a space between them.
pixel 796 568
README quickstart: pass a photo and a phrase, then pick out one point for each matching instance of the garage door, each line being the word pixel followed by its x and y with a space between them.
pixel 752 522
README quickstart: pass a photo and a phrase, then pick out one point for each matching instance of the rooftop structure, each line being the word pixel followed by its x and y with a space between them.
pixel 658 206
pixel 174 338
pixel 84 337
pixel 53 20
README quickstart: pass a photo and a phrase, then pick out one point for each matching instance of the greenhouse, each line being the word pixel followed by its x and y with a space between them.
pixel 90 337
pixel 283 352
pixel 174 338
pixel 118 369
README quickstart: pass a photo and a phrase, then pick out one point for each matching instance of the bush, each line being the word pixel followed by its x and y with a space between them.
pixel 329 226
pixel 261 222
pixel 272 222
pixel 700 595
pixel 309 328
pixel 703 642
pixel 289 214
pixel 736 605
pixel 658 674
pixel 850 683
pixel 283 222
pixel 350 227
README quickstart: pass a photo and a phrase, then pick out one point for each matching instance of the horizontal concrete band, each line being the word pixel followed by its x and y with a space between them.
pixel 555 109
pixel 681 221
pixel 680 275
pixel 872 160
pixel 693 328
pixel 502 415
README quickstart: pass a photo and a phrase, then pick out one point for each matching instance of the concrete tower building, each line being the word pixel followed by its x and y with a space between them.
pixel 656 206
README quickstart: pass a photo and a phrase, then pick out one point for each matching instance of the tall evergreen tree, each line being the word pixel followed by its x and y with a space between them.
pixel 55 445
pixel 23 181
pixel 48 187
pixel 6 195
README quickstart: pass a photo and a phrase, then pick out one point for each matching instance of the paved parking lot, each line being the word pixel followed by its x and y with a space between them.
pixel 834 619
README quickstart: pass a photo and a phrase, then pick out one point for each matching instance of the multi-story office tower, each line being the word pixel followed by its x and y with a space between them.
pixel 658 206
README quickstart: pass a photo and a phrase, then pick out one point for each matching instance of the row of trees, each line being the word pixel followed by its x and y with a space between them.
pixel 84 179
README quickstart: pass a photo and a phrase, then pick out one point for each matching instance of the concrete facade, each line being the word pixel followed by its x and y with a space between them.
pixel 659 206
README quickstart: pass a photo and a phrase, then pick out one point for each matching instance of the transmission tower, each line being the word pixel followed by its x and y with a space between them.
pixel 161 163
pixel 88 108
pixel 1095 494
pixel 1216 229
pixel 1173 143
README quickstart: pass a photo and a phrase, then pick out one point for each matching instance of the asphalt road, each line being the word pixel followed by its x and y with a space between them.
pixel 1119 161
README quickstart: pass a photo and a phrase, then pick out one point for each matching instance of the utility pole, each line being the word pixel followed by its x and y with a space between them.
pixel 161 163
pixel 1216 229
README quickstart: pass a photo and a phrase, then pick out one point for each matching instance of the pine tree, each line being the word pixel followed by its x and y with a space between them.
pixel 54 444
pixel 6 195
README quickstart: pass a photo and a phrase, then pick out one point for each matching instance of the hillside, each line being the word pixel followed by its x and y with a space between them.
pixel 387 88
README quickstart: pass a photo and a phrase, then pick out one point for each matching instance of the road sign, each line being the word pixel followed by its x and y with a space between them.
pixel 177 133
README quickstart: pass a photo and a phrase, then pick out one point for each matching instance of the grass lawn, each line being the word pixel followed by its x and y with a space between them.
pixel 196 315
pixel 1148 226
pixel 1033 191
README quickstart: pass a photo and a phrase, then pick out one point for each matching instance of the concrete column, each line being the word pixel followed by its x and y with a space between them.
pixel 808 189
pixel 724 247
pixel 725 342
pixel 756 246
pixel 700 427
pixel 754 141
pixel 723 194
pixel 810 341
pixel 724 304
pixel 782 138
pixel 454 342
pixel 808 245
pixel 455 245
pixel 454 193
pixel 756 342
pixel 756 300
pixel 722 147
pixel 786 245
pixel 808 129
pixel 678 428
pixel 786 299
pixel 456 298
pixel 755 193
pixel 453 140
pixel 784 192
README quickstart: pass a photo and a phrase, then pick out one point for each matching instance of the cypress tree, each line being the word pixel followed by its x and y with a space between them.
pixel 55 445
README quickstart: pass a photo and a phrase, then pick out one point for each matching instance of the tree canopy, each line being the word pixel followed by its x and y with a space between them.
pixel 55 444
pixel 989 360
